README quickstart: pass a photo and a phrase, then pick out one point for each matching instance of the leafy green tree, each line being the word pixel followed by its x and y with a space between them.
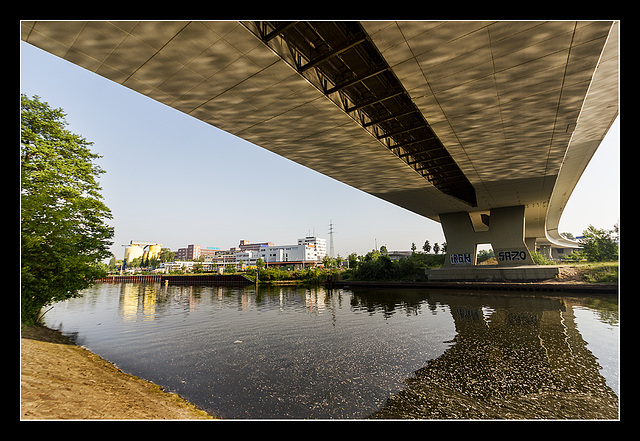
pixel 372 256
pixel 427 246
pixel 153 263
pixel 166 255
pixel 63 232
pixel 436 248
pixel 353 260
pixel 599 245
pixel 485 255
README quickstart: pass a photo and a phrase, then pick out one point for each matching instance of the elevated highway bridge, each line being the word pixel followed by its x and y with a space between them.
pixel 485 127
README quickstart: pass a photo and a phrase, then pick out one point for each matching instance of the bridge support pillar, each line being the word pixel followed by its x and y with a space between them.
pixel 505 233
pixel 531 243
pixel 545 250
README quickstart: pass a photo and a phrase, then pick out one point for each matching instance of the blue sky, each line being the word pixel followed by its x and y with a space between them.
pixel 176 180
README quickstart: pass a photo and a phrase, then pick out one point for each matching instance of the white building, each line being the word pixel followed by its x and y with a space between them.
pixel 279 254
pixel 319 244
pixel 244 259
pixel 308 250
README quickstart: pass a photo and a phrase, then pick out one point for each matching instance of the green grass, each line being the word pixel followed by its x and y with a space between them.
pixel 605 272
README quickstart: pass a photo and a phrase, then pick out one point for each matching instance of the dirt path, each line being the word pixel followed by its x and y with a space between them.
pixel 60 380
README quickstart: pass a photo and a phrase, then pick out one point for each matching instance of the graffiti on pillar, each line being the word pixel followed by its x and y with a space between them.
pixel 460 258
pixel 504 256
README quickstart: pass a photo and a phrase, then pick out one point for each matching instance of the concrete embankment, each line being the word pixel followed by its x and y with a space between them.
pixel 197 279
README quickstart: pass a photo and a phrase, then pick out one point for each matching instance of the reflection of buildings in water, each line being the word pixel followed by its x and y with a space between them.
pixel 138 301
pixel 244 301
pixel 315 300
pixel 520 358
pixel 131 302
pixel 312 299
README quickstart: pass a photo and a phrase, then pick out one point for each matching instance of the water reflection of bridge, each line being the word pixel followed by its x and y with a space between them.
pixel 512 357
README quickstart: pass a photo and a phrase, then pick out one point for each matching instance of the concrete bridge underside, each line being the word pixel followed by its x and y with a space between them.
pixel 456 121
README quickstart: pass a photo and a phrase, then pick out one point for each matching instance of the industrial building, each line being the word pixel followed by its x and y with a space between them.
pixel 146 250
pixel 245 245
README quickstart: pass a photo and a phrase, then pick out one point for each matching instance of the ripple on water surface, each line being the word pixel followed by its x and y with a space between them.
pixel 310 353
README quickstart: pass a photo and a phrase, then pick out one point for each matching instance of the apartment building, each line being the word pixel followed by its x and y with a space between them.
pixel 191 252
pixel 194 252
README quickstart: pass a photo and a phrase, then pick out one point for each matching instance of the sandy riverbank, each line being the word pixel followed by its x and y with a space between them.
pixel 59 380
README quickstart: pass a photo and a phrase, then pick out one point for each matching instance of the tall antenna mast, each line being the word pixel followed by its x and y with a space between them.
pixel 330 239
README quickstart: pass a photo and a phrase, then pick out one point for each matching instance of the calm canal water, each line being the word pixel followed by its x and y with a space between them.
pixel 285 352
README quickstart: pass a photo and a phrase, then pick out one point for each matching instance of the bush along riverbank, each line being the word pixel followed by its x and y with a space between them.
pixel 414 268
pixel 381 267
pixel 275 276
pixel 373 267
